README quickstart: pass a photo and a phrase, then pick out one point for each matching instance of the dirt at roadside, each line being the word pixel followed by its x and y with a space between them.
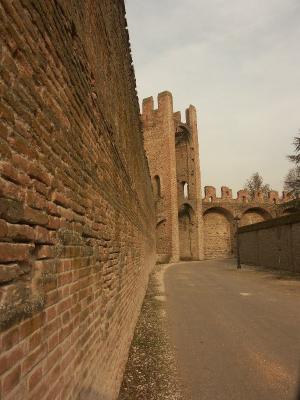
pixel 151 372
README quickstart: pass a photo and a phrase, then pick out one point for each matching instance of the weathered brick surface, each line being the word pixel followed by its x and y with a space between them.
pixel 77 218
pixel 274 244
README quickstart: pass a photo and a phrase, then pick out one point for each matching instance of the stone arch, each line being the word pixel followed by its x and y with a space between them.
pixel 218 233
pixel 157 186
pixel 253 215
pixel 182 134
pixel 187 232
pixel 161 241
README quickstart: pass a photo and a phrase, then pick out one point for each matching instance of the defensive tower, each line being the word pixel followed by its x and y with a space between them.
pixel 172 150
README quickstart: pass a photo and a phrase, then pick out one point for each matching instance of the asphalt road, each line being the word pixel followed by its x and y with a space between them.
pixel 236 333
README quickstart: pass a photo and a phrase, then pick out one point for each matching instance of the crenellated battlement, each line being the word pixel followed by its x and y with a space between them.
pixel 243 196
pixel 165 109
pixel 164 105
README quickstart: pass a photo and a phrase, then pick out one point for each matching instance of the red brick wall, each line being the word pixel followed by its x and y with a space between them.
pixel 273 243
pixel 77 220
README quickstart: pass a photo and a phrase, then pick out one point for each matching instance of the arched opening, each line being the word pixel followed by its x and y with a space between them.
pixel 185 187
pixel 254 215
pixel 156 186
pixel 161 241
pixel 218 233
pixel 187 233
pixel 182 135
pixel 210 199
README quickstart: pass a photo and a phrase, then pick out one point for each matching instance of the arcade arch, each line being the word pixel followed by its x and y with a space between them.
pixel 218 233
pixel 254 215
pixel 187 232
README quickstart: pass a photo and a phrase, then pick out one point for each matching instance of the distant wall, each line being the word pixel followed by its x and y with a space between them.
pixel 218 234
pixel 219 215
pixel 77 217
pixel 274 243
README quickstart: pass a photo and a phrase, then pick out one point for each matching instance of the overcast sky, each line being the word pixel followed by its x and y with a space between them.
pixel 238 62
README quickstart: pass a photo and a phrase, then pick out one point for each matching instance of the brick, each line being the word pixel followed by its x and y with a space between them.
pixel 10 339
pixel 53 358
pixel 35 217
pixel 51 313
pixel 11 380
pixel 65 331
pixel 3 135
pixel 53 375
pixel 9 273
pixel 53 341
pixel 35 340
pixel 38 172
pixel 40 187
pixel 33 358
pixel 3 229
pixel 30 326
pixel 11 210
pixel 60 199
pixel 20 232
pixel 64 279
pixel 54 222
pixel 5 151
pixel 40 391
pixel 21 146
pixel 35 378
pixel 52 327
pixel 42 235
pixel 35 200
pixel 53 297
pixel 64 305
pixel 45 251
pixel 15 252
pixel 7 170
pixel 66 317
pixel 6 113
pixel 18 392
pixel 55 390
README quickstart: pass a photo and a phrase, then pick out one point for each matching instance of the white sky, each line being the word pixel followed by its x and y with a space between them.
pixel 238 62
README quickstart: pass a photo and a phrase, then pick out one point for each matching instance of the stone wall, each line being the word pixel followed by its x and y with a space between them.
pixel 77 218
pixel 274 244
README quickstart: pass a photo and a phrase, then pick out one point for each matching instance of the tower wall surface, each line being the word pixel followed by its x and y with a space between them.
pixel 173 154
pixel 159 143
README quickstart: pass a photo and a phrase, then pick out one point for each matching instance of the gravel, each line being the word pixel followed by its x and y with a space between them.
pixel 151 372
